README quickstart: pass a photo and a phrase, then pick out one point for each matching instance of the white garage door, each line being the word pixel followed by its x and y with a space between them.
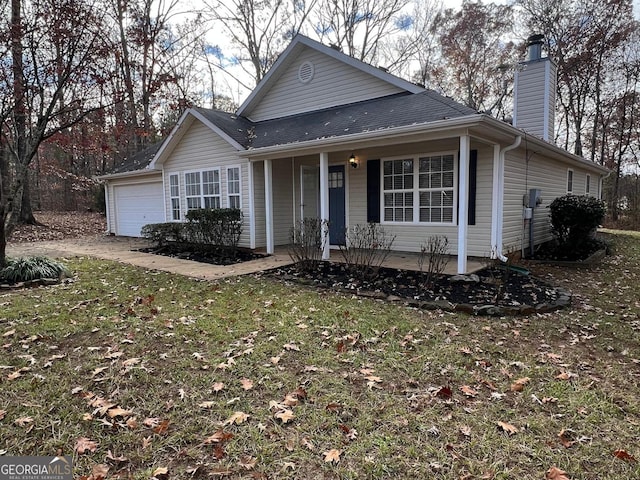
pixel 137 205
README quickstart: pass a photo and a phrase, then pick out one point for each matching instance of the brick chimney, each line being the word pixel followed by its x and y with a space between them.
pixel 534 104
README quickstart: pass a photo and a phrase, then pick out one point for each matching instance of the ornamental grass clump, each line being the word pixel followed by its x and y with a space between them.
pixel 25 269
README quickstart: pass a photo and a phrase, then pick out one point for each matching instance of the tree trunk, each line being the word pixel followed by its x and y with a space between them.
pixel 26 212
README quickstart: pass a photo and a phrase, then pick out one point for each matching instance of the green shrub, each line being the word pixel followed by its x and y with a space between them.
pixel 161 234
pixel 219 227
pixel 205 229
pixel 574 220
pixel 23 269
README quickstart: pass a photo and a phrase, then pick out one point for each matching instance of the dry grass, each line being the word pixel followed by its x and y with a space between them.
pixel 399 393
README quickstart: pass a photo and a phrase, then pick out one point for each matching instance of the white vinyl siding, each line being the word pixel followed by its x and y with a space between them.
pixel 334 83
pixel 534 102
pixel 545 173
pixel 234 197
pixel 201 150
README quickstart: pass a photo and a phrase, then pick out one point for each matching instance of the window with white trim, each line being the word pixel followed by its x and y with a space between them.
pixel 202 189
pixel 174 194
pixel 587 185
pixel 233 187
pixel 420 189
pixel 569 181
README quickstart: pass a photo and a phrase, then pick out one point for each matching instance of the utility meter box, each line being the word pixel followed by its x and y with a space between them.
pixel 527 213
pixel 535 197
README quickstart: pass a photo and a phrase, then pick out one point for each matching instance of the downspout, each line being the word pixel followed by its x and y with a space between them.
pixel 498 198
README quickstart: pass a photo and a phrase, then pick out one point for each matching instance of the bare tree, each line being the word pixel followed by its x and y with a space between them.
pixel 53 77
pixel 361 27
pixel 477 62
pixel 259 30
pixel 582 37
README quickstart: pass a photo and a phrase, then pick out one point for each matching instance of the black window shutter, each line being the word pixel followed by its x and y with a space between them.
pixel 473 180
pixel 373 191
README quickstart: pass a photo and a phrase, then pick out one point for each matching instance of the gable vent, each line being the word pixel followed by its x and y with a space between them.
pixel 305 72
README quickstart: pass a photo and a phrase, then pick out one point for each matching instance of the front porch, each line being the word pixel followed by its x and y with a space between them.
pixel 395 259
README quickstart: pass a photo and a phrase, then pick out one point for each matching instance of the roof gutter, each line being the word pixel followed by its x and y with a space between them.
pixel 133 173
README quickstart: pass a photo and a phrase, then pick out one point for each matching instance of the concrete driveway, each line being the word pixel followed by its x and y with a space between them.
pixel 124 250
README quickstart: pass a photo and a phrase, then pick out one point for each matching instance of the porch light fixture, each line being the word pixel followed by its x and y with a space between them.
pixel 353 161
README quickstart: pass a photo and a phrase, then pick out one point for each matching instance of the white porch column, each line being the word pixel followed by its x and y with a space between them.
pixel 268 203
pixel 463 202
pixel 324 202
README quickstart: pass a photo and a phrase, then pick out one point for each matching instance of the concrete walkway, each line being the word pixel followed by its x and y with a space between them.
pixel 125 250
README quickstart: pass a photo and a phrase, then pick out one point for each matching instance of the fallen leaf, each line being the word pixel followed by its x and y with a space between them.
pixel 291 346
pixel 146 441
pixel 219 437
pixel 22 421
pixel 132 423
pixel 99 471
pixel 565 376
pixel 119 412
pixel 444 393
pixel 332 456
pixel 519 384
pixel 2 414
pixel 87 417
pixel 218 386
pixel 162 427
pixel 237 418
pixel 113 458
pixel 465 430
pixel 151 422
pixel 8 333
pixel 565 437
pixel 160 472
pixel 83 444
pixel 307 443
pixel 247 462
pixel 131 362
pixel 555 473
pixel 468 391
pixel 98 371
pixel 246 383
pixel 207 404
pixel 285 415
pixel 508 428
pixel 624 455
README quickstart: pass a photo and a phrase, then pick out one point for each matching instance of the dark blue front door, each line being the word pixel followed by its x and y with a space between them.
pixel 337 222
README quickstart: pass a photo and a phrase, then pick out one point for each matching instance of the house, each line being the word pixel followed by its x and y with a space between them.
pixel 326 136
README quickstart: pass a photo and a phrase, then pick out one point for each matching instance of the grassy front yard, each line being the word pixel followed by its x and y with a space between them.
pixel 145 373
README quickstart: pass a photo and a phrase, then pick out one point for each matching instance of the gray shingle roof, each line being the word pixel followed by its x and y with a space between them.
pixel 371 115
pixel 138 161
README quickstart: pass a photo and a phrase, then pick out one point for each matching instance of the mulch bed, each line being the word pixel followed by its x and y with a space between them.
pixel 490 291
pixel 213 257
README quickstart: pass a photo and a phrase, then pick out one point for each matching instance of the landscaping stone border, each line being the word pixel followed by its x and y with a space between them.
pixel 563 299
